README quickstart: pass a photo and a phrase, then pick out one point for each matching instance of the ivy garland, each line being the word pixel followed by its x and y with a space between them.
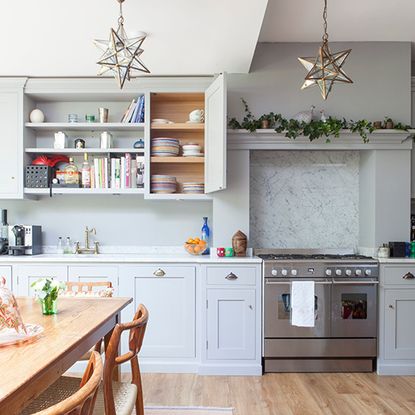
pixel 313 130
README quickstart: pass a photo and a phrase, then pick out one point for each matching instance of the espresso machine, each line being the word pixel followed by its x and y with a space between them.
pixel 4 233
pixel 25 240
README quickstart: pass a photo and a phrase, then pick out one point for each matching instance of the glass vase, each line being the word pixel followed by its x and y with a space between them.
pixel 49 306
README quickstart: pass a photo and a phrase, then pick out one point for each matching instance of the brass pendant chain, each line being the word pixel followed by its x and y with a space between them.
pixel 326 35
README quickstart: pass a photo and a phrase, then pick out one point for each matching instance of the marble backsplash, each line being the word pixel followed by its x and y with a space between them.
pixel 304 199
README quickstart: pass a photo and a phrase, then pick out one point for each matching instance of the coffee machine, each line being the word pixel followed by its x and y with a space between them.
pixel 25 240
pixel 4 233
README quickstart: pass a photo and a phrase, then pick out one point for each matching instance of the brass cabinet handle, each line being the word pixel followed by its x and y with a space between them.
pixel 409 276
pixel 231 276
pixel 159 273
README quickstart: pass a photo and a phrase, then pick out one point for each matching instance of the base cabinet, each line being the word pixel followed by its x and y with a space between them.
pixel 231 324
pixel 399 324
pixel 396 316
pixel 168 292
pixel 25 275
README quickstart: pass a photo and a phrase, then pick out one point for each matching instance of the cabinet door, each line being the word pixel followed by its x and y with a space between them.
pixel 27 274
pixel 11 138
pixel 399 324
pixel 231 324
pixel 90 273
pixel 168 292
pixel 6 272
pixel 215 135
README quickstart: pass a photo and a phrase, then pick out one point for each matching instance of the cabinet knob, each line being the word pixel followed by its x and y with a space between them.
pixel 391 306
pixel 250 306
pixel 159 273
pixel 409 276
pixel 231 277
pixel 12 177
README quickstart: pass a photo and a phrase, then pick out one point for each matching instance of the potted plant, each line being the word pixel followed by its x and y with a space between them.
pixel 267 120
pixel 389 123
pixel 47 291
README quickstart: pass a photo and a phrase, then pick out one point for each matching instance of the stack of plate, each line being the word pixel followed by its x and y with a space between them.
pixel 161 183
pixel 194 187
pixel 165 147
pixel 192 150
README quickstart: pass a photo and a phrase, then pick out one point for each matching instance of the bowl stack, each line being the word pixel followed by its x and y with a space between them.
pixel 162 183
pixel 192 150
pixel 194 187
pixel 165 147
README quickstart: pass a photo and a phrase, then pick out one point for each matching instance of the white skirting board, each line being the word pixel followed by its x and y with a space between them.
pixel 396 369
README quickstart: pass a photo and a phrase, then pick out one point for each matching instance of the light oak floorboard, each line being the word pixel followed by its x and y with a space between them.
pixel 286 394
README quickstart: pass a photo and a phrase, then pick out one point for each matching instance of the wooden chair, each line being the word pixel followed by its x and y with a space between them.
pixel 58 401
pixel 119 398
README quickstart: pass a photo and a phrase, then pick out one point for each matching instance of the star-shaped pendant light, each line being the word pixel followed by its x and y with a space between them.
pixel 121 54
pixel 326 68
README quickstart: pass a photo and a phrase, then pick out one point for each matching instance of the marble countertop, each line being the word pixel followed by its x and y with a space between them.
pixel 396 260
pixel 128 258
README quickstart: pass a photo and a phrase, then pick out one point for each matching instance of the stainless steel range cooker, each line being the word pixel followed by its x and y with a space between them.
pixel 345 334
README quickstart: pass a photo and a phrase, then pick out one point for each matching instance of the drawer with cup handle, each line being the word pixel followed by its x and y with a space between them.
pixel 398 275
pixel 231 275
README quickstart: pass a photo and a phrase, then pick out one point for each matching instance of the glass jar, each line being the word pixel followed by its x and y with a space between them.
pixel 49 306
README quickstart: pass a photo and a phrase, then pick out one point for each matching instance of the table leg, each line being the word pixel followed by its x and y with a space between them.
pixel 116 376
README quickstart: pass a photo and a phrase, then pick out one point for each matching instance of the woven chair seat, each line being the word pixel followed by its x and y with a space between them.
pixel 124 396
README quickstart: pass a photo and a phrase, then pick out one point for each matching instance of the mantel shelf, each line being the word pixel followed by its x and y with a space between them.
pixel 270 140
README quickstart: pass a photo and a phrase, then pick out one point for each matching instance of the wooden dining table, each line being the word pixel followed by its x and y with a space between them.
pixel 27 369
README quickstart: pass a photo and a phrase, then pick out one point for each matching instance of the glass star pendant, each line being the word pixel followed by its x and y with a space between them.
pixel 325 69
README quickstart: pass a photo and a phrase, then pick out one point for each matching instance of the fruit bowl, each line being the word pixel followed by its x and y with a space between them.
pixel 195 247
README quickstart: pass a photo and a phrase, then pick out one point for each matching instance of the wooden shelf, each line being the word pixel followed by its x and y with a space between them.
pixel 179 196
pixel 180 159
pixel 80 191
pixel 180 126
pixel 74 151
pixel 85 126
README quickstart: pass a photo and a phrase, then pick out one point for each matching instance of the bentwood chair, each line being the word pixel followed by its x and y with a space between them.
pixel 118 398
pixel 57 400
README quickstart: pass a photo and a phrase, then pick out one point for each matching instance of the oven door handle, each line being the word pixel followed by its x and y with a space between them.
pixel 355 282
pixel 267 282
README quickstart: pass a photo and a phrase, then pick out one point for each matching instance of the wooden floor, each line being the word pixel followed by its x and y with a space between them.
pixel 286 394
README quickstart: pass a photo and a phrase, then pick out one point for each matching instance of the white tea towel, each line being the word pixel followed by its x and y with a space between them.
pixel 302 303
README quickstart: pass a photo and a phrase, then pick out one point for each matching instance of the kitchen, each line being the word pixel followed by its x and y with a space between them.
pixel 343 197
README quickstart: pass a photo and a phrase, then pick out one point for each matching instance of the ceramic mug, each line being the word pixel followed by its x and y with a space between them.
pixel 197 116
pixel 229 252
pixel 220 252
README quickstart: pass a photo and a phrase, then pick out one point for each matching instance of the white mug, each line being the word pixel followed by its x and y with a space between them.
pixel 197 116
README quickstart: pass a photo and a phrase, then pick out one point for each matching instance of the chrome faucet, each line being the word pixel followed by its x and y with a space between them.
pixel 87 249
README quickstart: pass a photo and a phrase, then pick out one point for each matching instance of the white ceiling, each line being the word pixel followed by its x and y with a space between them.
pixel 54 37
pixel 351 20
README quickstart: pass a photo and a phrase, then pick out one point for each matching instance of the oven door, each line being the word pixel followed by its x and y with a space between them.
pixel 277 310
pixel 354 309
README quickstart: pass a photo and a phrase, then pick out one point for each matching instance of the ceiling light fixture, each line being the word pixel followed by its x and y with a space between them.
pixel 121 54
pixel 326 68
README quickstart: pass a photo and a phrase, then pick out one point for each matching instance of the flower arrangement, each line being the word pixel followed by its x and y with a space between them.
pixel 47 291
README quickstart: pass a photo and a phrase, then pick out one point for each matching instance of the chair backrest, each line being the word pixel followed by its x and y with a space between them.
pixel 81 402
pixel 137 329
pixel 87 287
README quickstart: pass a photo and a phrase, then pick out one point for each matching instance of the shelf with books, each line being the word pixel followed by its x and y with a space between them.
pixel 80 151
pixel 89 126
pixel 81 191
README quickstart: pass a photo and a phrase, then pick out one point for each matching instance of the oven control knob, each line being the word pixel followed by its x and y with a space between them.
pixel 358 272
pixel 338 272
pixel 348 272
pixel 368 272
pixel 274 272
pixel 294 272
pixel 328 272
pixel 284 272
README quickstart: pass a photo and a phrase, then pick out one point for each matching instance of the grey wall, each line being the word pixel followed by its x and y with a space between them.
pixel 381 72
pixel 119 220
pixel 304 199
